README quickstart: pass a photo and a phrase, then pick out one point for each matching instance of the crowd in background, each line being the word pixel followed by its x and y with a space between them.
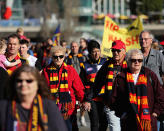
pixel 43 85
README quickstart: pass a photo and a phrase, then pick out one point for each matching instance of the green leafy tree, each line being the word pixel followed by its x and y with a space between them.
pixel 152 8
pixel 133 5
pixel 152 5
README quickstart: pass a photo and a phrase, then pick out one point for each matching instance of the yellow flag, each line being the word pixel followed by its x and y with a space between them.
pixel 129 35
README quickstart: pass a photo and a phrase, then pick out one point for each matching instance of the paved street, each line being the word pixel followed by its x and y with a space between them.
pixel 87 120
pixel 88 123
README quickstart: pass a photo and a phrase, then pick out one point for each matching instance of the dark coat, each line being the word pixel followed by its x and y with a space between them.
pixel 3 81
pixel 55 119
pixel 120 100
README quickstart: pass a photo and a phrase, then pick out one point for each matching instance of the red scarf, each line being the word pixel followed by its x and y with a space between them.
pixel 139 101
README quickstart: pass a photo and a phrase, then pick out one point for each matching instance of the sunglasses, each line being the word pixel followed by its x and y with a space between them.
pixel 116 50
pixel 28 80
pixel 56 57
pixel 135 60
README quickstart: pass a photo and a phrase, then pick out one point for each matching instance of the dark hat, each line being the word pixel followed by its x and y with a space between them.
pixel 93 44
pixel 118 44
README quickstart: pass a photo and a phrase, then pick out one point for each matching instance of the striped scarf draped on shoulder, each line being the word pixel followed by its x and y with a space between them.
pixel 139 100
pixel 37 121
pixel 60 90
pixel 11 69
pixel 80 58
pixel 109 83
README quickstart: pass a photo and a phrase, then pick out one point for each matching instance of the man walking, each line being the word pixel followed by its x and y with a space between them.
pixel 12 51
pixel 88 73
pixel 105 78
pixel 153 59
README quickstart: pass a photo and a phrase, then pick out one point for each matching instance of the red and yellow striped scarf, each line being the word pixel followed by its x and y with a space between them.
pixel 11 69
pixel 80 58
pixel 36 115
pixel 139 101
pixel 60 89
pixel 111 70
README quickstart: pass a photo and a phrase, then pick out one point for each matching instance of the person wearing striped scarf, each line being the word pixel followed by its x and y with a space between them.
pixel 137 95
pixel 64 84
pixel 105 78
pixel 75 58
pixel 12 53
pixel 28 106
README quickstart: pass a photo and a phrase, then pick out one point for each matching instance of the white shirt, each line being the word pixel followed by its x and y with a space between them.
pixel 32 60
pixel 135 77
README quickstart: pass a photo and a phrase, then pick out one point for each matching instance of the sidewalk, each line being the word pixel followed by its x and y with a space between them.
pixel 81 128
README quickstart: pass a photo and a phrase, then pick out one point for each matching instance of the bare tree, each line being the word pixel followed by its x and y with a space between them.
pixel 49 7
pixel 69 18
pixel 63 10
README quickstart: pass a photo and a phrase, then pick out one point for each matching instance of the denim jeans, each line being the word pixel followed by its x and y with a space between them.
pixel 160 125
pixel 113 120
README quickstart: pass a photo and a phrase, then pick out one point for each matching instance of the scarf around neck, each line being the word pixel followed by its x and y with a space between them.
pixel 80 58
pixel 11 69
pixel 139 100
pixel 60 90
pixel 37 119
pixel 110 75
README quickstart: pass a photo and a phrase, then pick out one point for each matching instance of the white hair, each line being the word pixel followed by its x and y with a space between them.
pixel 146 31
pixel 57 49
pixel 132 52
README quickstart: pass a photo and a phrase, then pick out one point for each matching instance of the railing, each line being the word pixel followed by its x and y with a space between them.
pixel 18 22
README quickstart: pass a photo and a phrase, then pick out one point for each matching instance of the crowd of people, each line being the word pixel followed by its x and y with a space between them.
pixel 43 85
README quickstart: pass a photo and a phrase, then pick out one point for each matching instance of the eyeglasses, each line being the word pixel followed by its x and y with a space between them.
pixel 27 80
pixel 116 50
pixel 135 60
pixel 146 39
pixel 56 57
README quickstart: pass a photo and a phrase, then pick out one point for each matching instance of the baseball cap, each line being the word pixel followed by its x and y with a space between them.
pixel 118 44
